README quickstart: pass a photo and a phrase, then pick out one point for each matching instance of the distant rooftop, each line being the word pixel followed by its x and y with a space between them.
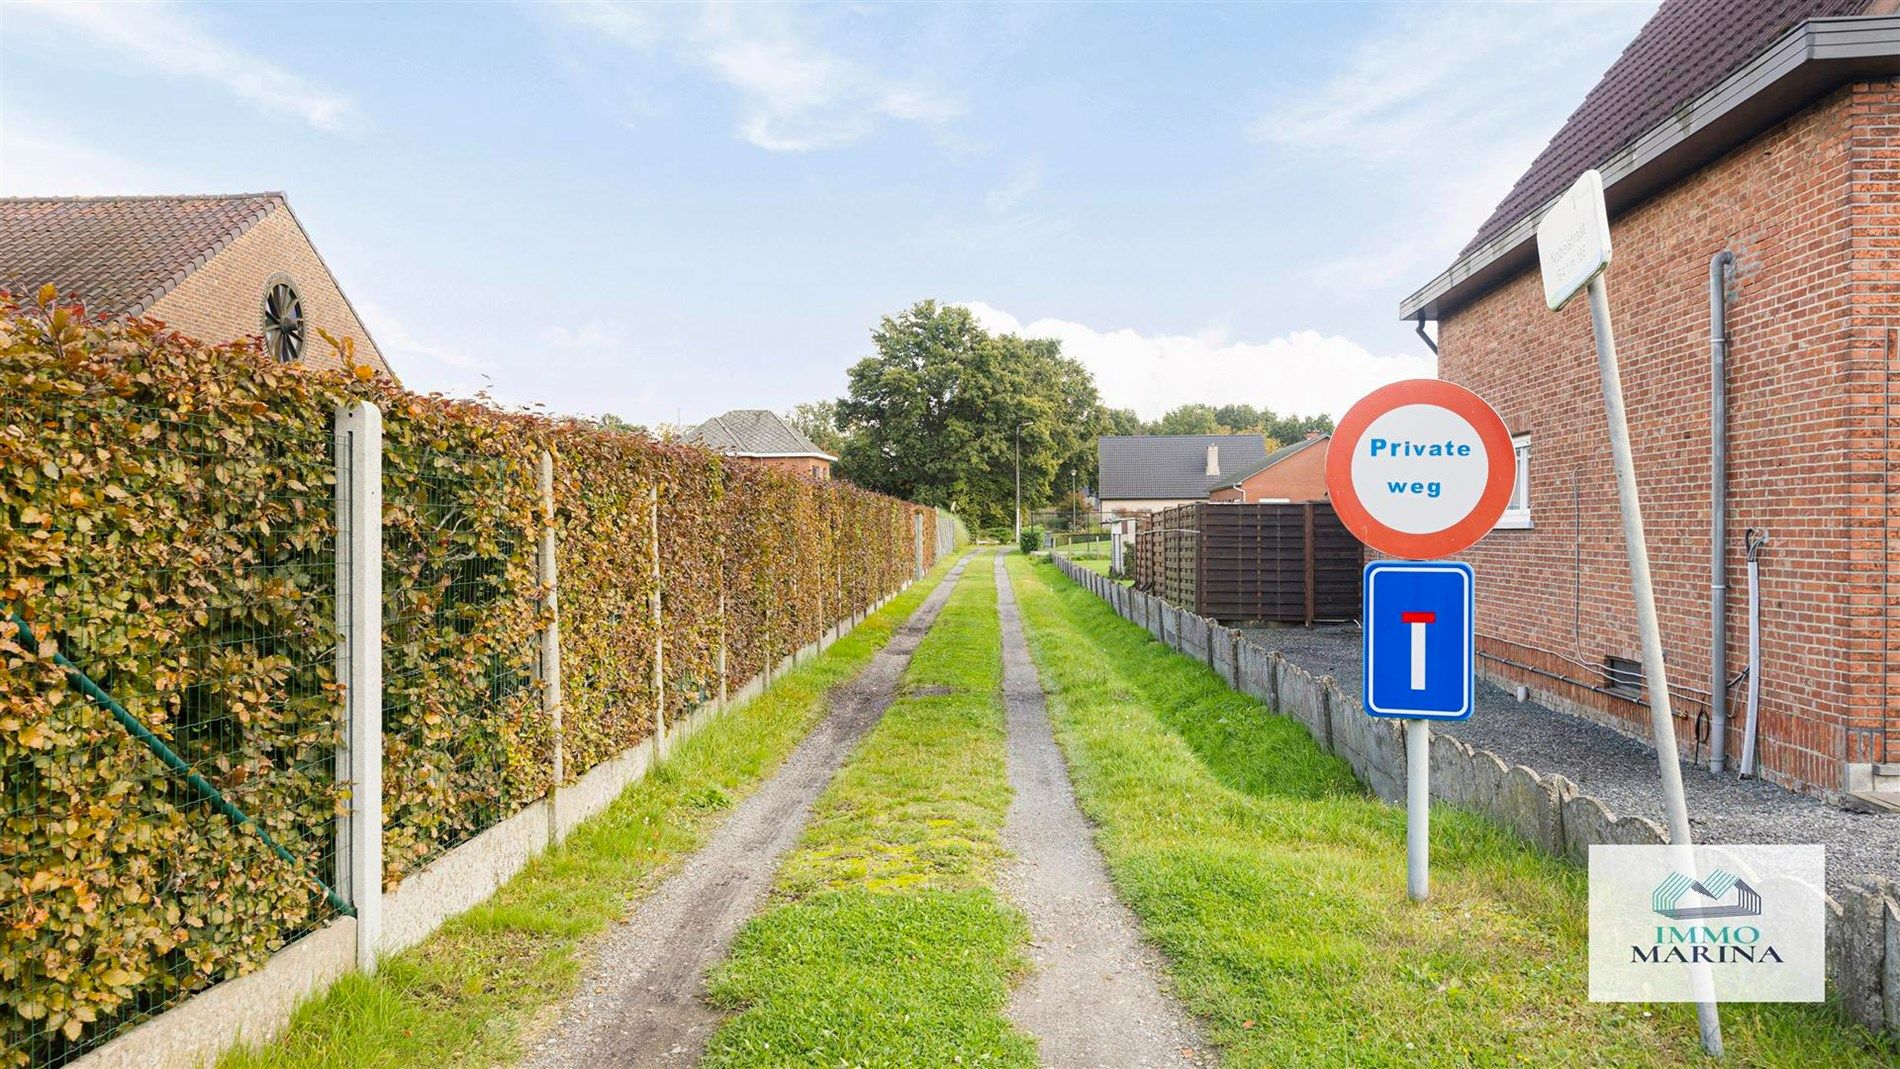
pixel 1150 467
pixel 754 432
pixel 1282 453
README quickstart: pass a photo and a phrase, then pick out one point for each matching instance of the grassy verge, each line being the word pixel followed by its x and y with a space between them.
pixel 885 944
pixel 1094 564
pixel 1277 888
pixel 465 996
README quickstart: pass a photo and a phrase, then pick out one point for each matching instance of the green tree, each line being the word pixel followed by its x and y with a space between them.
pixel 1189 419
pixel 1239 419
pixel 1124 421
pixel 818 420
pixel 1295 428
pixel 935 415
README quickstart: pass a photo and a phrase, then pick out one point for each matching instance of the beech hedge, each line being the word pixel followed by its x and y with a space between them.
pixel 170 529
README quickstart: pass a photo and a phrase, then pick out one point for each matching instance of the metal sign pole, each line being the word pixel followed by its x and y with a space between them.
pixel 1656 673
pixel 1418 810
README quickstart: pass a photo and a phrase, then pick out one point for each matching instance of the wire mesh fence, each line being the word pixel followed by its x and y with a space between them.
pixel 466 743
pixel 167 745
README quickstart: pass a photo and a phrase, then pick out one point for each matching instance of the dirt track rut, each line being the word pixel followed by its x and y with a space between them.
pixel 1097 996
pixel 641 1002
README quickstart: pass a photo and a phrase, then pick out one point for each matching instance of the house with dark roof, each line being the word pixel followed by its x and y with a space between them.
pixel 1748 150
pixel 1145 472
pixel 219 268
pixel 764 436
pixel 1290 473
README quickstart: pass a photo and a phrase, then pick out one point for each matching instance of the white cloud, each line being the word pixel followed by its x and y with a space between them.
pixel 1004 198
pixel 40 161
pixel 1302 373
pixel 1441 113
pixel 417 361
pixel 795 94
pixel 593 334
pixel 1008 220
pixel 163 37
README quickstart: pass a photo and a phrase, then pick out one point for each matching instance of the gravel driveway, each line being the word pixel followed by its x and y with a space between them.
pixel 1621 771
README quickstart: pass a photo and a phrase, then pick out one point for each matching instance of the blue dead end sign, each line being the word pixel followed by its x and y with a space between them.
pixel 1418 639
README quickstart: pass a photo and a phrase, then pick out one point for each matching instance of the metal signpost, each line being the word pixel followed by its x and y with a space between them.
pixel 1573 248
pixel 1417 668
pixel 1419 469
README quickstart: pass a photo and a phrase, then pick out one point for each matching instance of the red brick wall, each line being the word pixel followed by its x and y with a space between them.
pixel 797 465
pixel 1872 729
pixel 1300 477
pixel 1805 370
pixel 224 300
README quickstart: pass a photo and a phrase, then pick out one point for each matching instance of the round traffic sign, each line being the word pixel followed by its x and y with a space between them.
pixel 1420 469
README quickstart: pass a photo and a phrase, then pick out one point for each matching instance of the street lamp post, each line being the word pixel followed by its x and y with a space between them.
pixel 1019 482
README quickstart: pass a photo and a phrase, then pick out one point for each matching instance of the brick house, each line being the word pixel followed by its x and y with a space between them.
pixel 1146 472
pixel 216 267
pixel 1294 472
pixel 1769 129
pixel 765 437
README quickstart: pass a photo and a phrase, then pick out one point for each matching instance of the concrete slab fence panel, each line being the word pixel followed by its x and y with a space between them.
pixel 1890 977
pixel 1863 953
pixel 1587 822
pixel 250 1009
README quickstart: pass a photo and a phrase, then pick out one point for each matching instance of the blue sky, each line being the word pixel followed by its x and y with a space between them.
pixel 666 211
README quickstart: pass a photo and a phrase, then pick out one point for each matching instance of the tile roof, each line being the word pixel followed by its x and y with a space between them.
pixel 1683 50
pixel 119 254
pixel 1285 451
pixel 1170 466
pixel 754 432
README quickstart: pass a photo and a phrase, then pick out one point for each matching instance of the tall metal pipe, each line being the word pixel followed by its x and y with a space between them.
pixel 1753 541
pixel 1718 509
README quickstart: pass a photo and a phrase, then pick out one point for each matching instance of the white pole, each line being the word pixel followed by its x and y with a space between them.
pixel 1754 665
pixel 659 641
pixel 1418 809
pixel 551 641
pixel 1019 484
pixel 359 441
pixel 1656 672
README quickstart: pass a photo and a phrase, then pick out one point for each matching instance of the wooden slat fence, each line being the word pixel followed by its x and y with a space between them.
pixel 1275 563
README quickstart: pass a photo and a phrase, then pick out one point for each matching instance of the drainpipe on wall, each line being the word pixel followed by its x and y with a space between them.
pixel 1424 337
pixel 1718 509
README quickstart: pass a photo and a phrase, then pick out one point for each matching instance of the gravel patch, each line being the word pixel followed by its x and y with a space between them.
pixel 642 1000
pixel 1620 770
pixel 1097 995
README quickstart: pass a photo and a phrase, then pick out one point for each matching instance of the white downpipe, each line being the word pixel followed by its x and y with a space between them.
pixel 1754 540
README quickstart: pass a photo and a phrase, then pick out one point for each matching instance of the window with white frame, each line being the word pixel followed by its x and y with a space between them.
pixel 1517 514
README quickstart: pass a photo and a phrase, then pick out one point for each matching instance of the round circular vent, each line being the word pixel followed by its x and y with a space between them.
pixel 283 321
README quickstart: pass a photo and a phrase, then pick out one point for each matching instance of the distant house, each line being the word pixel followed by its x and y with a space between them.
pixel 1142 473
pixel 216 267
pixel 1294 472
pixel 765 436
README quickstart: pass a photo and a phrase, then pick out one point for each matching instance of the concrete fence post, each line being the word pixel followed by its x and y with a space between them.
pixel 659 638
pixel 359 617
pixel 722 645
pixel 918 517
pixel 551 640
